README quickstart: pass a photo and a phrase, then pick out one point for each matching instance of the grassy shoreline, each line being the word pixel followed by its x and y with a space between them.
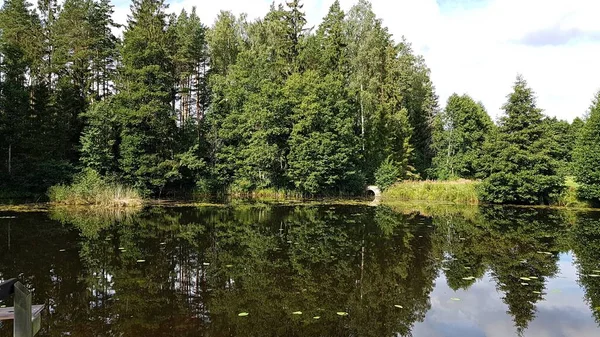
pixel 456 192
pixel 464 192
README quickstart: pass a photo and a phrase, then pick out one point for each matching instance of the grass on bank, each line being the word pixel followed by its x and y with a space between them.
pixel 456 191
pixel 89 188
pixel 465 192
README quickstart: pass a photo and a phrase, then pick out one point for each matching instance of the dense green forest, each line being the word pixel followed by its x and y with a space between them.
pixel 175 106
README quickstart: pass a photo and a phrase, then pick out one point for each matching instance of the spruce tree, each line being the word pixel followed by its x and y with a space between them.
pixel 587 155
pixel 520 167
pixel 145 100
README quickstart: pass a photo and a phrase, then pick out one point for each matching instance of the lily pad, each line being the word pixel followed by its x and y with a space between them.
pixel 297 313
pixel 342 313
pixel 243 314
pixel 398 306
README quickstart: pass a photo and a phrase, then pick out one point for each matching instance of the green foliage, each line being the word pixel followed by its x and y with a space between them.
pixel 586 155
pixel 387 174
pixel 459 192
pixel 89 188
pixel 250 105
pixel 463 128
pixel 562 138
pixel 393 93
pixel 99 141
pixel 520 166
pixel 322 142
pixel 50 66
pixel 569 197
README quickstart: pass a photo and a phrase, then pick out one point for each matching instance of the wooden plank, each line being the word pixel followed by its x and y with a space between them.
pixel 7 314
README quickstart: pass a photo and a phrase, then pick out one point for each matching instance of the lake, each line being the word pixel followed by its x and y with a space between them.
pixel 307 270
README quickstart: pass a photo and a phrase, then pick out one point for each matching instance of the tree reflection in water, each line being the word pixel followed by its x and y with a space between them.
pixel 191 271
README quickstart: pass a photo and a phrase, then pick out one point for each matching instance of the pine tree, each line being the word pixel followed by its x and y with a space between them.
pixel 586 154
pixel 191 64
pixel 104 49
pixel 520 167
pixel 35 161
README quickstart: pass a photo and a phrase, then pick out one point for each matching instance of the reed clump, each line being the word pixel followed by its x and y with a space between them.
pixel 90 188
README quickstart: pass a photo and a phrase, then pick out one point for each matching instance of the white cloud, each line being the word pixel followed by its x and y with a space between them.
pixel 479 50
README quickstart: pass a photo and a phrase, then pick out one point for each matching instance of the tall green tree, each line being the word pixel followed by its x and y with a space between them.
pixel 29 123
pixel 145 98
pixel 561 141
pixel 250 115
pixel 586 154
pixel 377 73
pixel 191 65
pixel 520 166
pixel 464 128
pixel 323 143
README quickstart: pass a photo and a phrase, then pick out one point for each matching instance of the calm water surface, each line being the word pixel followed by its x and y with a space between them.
pixel 317 270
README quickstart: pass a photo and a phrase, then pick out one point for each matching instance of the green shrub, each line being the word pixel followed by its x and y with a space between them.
pixel 89 188
pixel 387 174
pixel 569 197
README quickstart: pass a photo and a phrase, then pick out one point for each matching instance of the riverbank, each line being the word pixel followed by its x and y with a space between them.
pixel 457 192
pixel 465 192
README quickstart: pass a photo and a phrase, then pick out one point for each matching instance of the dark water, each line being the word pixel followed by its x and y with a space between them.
pixel 364 271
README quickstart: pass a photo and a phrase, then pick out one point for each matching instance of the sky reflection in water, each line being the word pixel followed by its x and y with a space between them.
pixel 394 270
